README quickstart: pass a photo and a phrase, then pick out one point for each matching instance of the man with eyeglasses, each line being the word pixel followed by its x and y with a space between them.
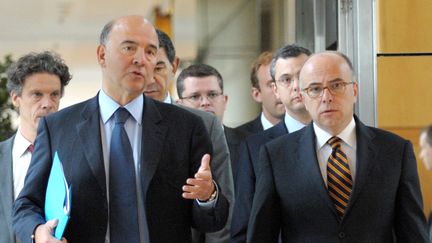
pixel 336 180
pixel 285 69
pixel 200 86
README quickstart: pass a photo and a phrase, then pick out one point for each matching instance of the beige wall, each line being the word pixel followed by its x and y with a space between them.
pixel 404 75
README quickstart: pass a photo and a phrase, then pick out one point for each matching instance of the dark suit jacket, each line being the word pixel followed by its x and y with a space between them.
pixel 6 189
pixel 251 127
pixel 233 138
pixel 173 143
pixel 246 177
pixel 385 205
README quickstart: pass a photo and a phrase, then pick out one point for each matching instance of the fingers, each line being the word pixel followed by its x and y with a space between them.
pixel 205 163
pixel 44 232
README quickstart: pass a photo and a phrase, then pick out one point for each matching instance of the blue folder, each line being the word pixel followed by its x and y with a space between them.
pixel 58 197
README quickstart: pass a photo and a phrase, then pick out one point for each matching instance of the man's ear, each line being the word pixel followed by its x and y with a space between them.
pixel 15 98
pixel 179 101
pixel 101 55
pixel 256 94
pixel 175 64
pixel 275 90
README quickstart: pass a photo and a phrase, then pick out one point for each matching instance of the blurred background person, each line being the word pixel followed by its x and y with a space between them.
pixel 35 84
pixel 200 86
pixel 285 69
pixel 272 109
pixel 425 143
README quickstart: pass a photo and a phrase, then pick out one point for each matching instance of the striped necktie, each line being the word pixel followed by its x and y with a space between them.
pixel 339 180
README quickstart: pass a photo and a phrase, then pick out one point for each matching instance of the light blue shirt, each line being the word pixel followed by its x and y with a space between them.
pixel 133 127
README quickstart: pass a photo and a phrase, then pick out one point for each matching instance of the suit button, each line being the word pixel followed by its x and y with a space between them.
pixel 341 235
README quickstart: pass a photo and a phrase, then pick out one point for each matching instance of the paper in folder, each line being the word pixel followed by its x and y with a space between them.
pixel 58 197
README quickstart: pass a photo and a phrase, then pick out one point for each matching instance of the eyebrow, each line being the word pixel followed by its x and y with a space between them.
pixel 331 81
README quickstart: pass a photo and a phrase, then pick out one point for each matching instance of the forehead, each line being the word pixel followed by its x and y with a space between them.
pixel 201 84
pixel 42 81
pixel 162 55
pixel 135 29
pixel 325 68
pixel 290 65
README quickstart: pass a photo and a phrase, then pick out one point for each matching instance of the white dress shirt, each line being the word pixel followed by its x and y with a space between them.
pixel 348 145
pixel 21 158
pixel 265 122
pixel 292 124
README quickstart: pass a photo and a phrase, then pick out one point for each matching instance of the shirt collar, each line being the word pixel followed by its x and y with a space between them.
pixel 21 144
pixel 347 135
pixel 168 99
pixel 292 124
pixel 265 123
pixel 108 106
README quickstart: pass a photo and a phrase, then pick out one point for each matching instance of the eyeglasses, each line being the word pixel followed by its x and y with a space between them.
pixel 285 80
pixel 317 90
pixel 211 96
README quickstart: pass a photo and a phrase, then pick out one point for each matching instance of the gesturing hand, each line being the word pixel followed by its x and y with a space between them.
pixel 201 187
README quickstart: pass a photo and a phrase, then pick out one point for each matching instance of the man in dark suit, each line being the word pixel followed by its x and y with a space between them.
pixel 166 67
pixel 200 86
pixel 168 156
pixel 35 84
pixel 336 180
pixel 285 69
pixel 272 109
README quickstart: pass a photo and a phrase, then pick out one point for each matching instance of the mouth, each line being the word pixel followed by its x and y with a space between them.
pixel 137 73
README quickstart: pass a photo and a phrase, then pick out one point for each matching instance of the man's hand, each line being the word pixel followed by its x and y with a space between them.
pixel 44 233
pixel 201 187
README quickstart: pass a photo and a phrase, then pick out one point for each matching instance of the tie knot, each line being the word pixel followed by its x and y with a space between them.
pixel 334 142
pixel 31 148
pixel 121 115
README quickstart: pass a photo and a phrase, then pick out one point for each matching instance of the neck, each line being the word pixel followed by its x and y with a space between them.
pixel 273 120
pixel 301 116
pixel 28 133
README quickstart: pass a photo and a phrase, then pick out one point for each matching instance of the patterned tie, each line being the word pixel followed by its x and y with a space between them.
pixel 123 210
pixel 339 180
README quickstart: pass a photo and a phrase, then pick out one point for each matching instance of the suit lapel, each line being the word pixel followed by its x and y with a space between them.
pixel 91 142
pixel 312 173
pixel 153 136
pixel 366 152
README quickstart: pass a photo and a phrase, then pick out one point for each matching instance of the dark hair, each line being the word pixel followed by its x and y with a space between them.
pixel 197 70
pixel 106 30
pixel 166 43
pixel 264 59
pixel 428 131
pixel 286 52
pixel 44 62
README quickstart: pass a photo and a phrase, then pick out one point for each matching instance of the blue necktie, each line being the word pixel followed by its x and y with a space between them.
pixel 123 210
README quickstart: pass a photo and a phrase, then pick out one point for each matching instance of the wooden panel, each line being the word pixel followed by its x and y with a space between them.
pixel 404 90
pixel 425 176
pixel 404 26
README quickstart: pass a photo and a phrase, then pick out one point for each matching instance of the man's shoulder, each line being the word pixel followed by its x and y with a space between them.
pixel 251 127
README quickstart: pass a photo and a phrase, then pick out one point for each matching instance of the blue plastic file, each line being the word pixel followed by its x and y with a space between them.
pixel 58 197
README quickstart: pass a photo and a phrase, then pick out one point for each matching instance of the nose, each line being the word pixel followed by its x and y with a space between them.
pixel 295 85
pixel 204 101
pixel 327 96
pixel 139 57
pixel 47 103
